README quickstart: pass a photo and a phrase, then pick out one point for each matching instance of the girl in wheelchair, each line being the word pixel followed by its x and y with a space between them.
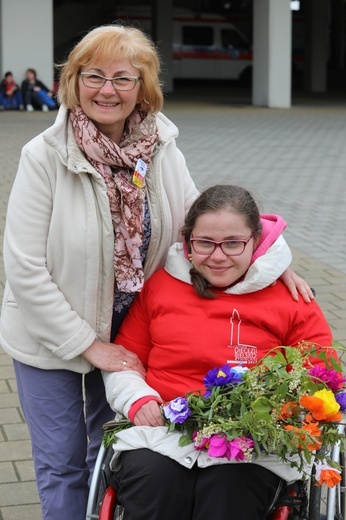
pixel 218 301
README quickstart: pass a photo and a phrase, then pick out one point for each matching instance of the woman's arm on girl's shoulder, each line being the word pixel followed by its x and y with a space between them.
pixel 296 286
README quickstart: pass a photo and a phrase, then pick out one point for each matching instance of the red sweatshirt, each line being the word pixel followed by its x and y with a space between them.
pixel 180 336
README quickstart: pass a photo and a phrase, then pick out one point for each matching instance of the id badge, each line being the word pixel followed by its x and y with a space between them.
pixel 139 173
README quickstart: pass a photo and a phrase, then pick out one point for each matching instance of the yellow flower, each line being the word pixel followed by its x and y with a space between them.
pixel 322 405
pixel 331 406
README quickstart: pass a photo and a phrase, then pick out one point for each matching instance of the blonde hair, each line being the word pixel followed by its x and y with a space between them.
pixel 108 43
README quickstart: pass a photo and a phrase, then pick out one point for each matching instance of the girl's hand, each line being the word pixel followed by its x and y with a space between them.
pixel 296 286
pixel 112 358
pixel 149 415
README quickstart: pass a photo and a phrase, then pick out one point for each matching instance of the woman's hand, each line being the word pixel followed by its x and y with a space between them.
pixel 296 285
pixel 149 415
pixel 112 357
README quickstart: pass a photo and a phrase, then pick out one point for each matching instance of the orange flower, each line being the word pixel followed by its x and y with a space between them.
pixel 327 475
pixel 312 429
pixel 288 409
pixel 320 409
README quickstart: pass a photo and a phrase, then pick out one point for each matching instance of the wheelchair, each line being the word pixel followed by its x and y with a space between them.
pixel 297 501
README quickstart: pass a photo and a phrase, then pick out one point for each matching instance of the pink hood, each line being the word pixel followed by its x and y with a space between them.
pixel 272 227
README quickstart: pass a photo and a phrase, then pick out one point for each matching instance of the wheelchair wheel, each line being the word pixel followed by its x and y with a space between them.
pixel 291 503
pixel 92 506
pixel 102 498
pixel 330 503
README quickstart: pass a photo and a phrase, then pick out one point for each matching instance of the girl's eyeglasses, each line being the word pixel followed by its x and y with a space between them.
pixel 228 247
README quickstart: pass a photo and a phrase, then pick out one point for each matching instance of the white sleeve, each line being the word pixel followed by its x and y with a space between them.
pixel 124 388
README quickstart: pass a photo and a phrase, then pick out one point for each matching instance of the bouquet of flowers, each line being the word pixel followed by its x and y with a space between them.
pixel 284 406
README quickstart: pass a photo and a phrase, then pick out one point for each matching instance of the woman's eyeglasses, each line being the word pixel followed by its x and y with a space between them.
pixel 228 247
pixel 119 83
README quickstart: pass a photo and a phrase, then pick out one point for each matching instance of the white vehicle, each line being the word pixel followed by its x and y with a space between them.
pixel 204 47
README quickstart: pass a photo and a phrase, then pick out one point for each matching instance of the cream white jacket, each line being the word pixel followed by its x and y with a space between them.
pixel 58 246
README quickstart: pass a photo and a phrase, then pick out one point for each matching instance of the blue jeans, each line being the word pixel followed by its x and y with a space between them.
pixel 53 406
pixel 40 98
pixel 12 103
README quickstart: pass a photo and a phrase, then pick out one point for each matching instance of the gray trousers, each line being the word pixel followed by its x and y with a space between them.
pixel 66 432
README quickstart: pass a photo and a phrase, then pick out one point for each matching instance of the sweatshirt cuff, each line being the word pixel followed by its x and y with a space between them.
pixel 138 404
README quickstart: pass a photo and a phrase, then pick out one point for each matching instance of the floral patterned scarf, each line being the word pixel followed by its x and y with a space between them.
pixel 116 164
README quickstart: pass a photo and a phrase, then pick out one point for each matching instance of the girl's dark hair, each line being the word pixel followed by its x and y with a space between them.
pixel 216 198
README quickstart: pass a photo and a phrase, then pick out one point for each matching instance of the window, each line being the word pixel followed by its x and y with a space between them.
pixel 231 39
pixel 197 35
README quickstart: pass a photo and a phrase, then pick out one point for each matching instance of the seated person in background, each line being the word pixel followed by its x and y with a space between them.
pixel 36 94
pixel 180 325
pixel 10 94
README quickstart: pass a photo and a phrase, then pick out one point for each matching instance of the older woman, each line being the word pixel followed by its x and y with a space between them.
pixel 82 233
pixel 98 199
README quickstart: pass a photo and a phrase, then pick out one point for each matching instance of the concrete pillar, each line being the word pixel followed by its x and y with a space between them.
pixel 162 31
pixel 272 53
pixel 26 38
pixel 316 45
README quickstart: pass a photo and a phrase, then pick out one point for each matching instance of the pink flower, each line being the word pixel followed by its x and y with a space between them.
pixel 235 450
pixel 201 443
pixel 331 378
pixel 218 446
pixel 238 447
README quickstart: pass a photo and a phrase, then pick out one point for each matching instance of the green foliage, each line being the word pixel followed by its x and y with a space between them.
pixel 255 409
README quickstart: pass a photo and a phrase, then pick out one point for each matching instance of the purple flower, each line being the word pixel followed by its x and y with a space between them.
pixel 177 411
pixel 224 375
pixel 341 399
pixel 330 377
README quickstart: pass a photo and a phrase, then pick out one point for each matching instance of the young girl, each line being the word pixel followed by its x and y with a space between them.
pixel 214 303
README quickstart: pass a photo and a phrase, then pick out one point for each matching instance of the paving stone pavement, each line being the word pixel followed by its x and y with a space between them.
pixel 293 160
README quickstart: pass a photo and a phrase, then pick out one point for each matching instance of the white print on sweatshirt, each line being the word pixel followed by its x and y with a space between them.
pixel 240 353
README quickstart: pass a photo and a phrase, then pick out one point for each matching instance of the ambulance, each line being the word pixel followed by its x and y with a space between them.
pixel 206 46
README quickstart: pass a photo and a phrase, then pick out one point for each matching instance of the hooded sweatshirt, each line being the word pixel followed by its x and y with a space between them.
pixel 180 336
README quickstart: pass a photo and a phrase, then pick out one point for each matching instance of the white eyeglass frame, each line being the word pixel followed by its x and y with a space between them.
pixel 116 87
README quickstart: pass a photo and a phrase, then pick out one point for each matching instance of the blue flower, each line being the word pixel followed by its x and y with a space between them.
pixel 177 411
pixel 341 399
pixel 224 375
